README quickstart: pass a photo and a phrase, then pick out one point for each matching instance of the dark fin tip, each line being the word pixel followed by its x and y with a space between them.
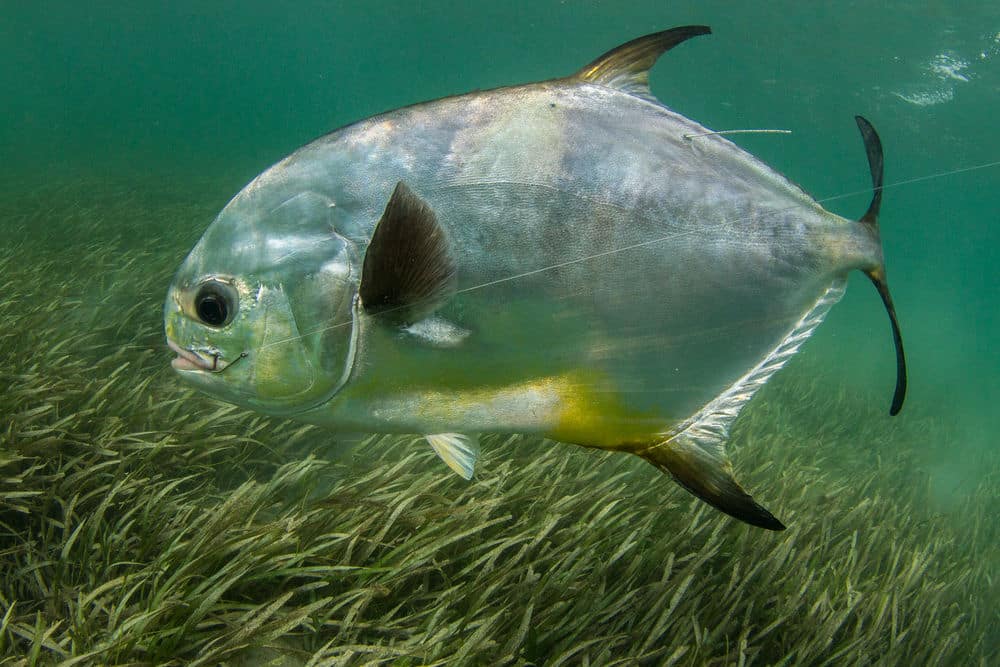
pixel 711 480
pixel 899 395
pixel 407 269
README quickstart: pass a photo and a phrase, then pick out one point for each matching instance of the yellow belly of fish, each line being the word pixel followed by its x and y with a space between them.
pixel 601 419
pixel 564 408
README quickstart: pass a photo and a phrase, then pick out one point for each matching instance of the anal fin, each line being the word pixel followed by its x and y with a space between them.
pixel 705 471
pixel 694 453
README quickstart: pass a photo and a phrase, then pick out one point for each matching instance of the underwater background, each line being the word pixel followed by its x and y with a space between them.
pixel 141 523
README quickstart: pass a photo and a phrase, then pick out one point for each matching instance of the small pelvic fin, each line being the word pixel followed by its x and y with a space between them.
pixel 459 452
pixel 407 271
pixel 701 467
pixel 627 66
pixel 873 148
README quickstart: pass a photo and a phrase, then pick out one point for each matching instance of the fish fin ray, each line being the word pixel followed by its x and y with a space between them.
pixel 626 67
pixel 458 451
pixel 712 422
pixel 408 271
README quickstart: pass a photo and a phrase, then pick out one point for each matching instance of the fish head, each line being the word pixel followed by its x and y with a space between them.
pixel 260 312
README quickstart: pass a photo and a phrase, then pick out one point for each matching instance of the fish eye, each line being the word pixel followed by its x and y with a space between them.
pixel 215 303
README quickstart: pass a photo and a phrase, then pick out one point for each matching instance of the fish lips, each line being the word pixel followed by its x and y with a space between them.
pixel 189 360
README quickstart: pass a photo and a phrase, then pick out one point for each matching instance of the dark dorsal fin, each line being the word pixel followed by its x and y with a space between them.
pixel 407 271
pixel 627 67
pixel 873 147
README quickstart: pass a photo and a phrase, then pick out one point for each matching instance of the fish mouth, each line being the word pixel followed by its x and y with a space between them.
pixel 189 360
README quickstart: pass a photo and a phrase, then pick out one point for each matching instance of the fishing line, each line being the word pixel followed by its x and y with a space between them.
pixel 897 184
pixel 916 179
pixel 498 281
pixel 573 261
pixel 722 133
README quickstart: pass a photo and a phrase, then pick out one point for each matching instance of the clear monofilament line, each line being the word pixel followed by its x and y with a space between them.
pixel 910 181
pixel 689 137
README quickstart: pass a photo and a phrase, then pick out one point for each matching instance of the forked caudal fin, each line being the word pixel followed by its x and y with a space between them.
pixel 873 147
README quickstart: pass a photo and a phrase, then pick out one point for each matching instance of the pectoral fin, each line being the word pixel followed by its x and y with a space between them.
pixel 458 451
pixel 408 270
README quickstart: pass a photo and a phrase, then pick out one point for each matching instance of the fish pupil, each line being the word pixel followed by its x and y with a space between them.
pixel 212 308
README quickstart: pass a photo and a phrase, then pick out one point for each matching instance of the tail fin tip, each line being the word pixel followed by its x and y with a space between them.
pixel 873 147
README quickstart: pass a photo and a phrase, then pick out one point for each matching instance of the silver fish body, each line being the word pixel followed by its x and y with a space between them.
pixel 605 275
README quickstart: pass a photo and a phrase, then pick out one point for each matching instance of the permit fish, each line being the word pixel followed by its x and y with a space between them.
pixel 567 258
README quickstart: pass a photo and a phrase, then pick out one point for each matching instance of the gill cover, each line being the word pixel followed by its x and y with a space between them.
pixel 297 283
pixel 306 343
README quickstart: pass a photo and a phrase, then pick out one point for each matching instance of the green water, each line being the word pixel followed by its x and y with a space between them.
pixel 131 124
